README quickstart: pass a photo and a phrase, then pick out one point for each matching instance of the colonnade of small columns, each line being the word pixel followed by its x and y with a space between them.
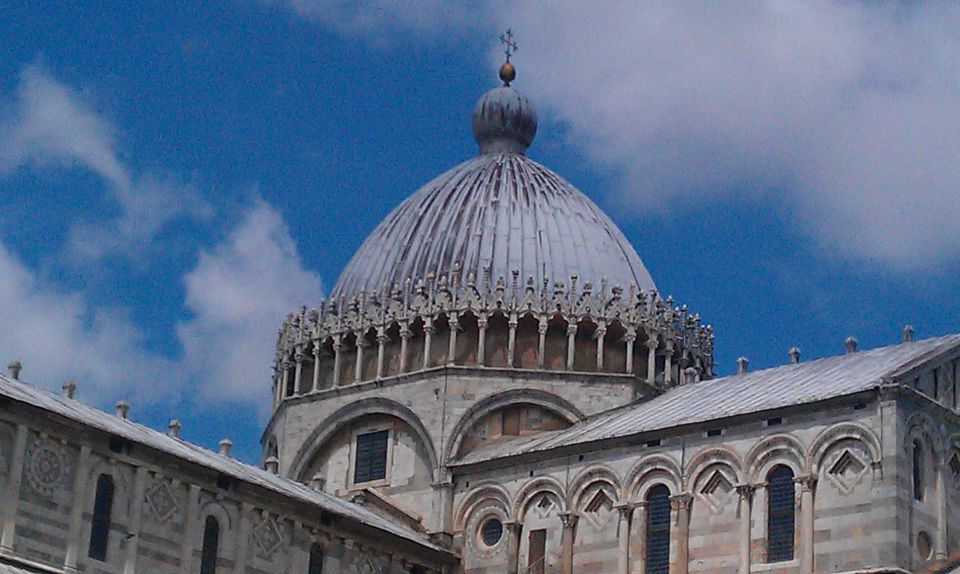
pixel 504 340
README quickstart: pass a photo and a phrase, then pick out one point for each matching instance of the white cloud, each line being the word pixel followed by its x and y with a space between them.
pixel 238 294
pixel 424 17
pixel 847 112
pixel 57 334
pixel 49 124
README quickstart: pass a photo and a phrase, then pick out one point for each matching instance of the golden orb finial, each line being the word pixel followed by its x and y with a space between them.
pixel 507 73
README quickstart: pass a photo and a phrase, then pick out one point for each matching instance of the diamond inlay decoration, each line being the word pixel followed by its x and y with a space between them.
pixel 46 466
pixel 161 500
pixel 599 509
pixel 847 471
pixel 544 506
pixel 266 537
pixel 717 490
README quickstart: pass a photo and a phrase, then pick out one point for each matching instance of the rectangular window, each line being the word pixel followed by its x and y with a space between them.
pixel 100 522
pixel 371 458
pixel 537 555
pixel 316 560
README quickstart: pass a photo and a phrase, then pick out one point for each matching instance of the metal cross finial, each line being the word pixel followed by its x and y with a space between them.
pixel 510 45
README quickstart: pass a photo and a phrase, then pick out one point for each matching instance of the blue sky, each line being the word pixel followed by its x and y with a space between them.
pixel 172 181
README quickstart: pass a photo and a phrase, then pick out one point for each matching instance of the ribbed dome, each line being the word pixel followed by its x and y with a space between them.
pixel 502 212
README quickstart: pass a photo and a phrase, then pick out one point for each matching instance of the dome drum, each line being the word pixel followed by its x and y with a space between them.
pixel 436 323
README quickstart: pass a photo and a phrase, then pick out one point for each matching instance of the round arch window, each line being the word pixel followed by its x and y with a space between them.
pixel 924 546
pixel 491 531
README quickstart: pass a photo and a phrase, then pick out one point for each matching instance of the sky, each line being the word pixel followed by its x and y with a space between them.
pixel 175 179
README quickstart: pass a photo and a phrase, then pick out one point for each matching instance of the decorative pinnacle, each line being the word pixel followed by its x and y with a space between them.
pixel 507 72
pixel 13 370
pixel 225 445
pixel 742 364
pixel 794 355
pixel 907 333
pixel 69 388
pixel 850 344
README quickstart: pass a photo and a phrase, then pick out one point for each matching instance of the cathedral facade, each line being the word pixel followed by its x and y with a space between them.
pixel 494 385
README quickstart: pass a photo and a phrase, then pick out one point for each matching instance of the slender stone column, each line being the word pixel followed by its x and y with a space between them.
pixel 808 484
pixel 337 359
pixel 639 532
pixel 445 489
pixel 514 529
pixel 298 376
pixel 316 365
pixel 133 527
pixel 512 339
pixel 542 343
pixel 623 537
pixel 940 545
pixel 405 335
pixel 76 511
pixel 191 520
pixel 629 339
pixel 452 347
pixel 652 359
pixel 243 537
pixel 569 520
pixel 358 365
pixel 599 335
pixel 382 340
pixel 427 341
pixel 667 365
pixel 745 509
pixel 571 345
pixel 680 505
pixel 11 500
pixel 285 380
pixel 481 340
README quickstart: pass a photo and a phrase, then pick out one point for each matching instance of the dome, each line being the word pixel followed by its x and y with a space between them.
pixel 490 216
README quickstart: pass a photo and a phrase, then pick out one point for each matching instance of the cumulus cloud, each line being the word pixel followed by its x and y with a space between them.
pixel 57 334
pixel 238 294
pixel 845 112
pixel 49 124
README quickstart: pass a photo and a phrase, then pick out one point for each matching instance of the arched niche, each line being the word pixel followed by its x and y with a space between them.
pixel 585 346
pixel 467 339
pixel 440 341
pixel 508 415
pixel 497 340
pixel 614 348
pixel 527 342
pixel 348 358
pixel 555 344
pixel 391 350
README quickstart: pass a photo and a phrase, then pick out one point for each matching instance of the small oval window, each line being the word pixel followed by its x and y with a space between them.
pixel 491 531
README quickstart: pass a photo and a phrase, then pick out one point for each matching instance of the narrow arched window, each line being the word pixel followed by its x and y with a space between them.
pixel 780 514
pixel 658 530
pixel 211 545
pixel 100 522
pixel 315 565
pixel 918 462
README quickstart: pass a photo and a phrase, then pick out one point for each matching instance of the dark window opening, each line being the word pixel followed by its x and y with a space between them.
pixel 654 442
pixel 491 532
pixel 772 422
pixel 918 462
pixel 100 523
pixel 211 545
pixel 291 381
pixel 371 459
pixel 119 445
pixel 224 482
pixel 780 514
pixel 658 530
pixel 315 565
pixel 537 556
pixel 714 432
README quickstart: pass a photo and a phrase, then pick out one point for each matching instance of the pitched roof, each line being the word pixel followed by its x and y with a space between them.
pixel 740 394
pixel 84 414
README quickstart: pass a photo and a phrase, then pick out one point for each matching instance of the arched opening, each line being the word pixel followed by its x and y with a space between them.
pixel 415 346
pixel 467 337
pixel 555 344
pixel 640 356
pixel 919 461
pixel 440 341
pixel 348 358
pixel 614 349
pixel 210 547
pixel 315 565
pixel 391 350
pixel 658 530
pixel 498 337
pixel 325 365
pixel 780 514
pixel 100 521
pixel 585 347
pixel 526 343
pixel 371 348
pixel 290 374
